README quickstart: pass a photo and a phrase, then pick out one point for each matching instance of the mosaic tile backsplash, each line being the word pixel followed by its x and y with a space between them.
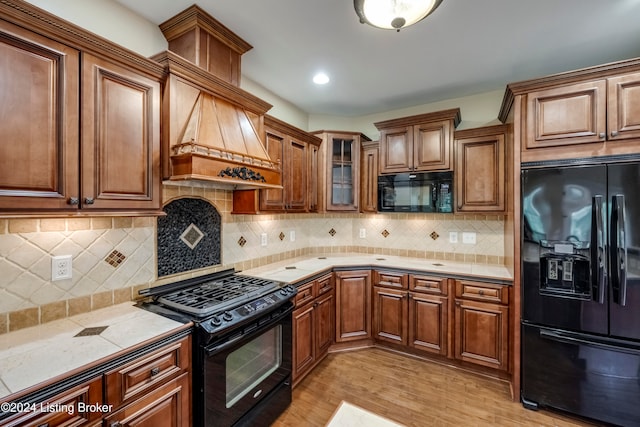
pixel 189 236
pixel 115 257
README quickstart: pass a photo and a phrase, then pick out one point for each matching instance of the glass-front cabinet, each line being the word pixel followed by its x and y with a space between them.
pixel 341 182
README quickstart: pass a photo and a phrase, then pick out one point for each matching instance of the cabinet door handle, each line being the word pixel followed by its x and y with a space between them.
pixel 614 133
pixel 89 200
pixel 480 292
pixel 457 303
pixel 73 201
pixel 155 371
pixel 602 135
pixel 115 424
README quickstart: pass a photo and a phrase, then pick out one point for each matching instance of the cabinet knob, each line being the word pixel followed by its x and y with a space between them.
pixel 602 135
pixel 115 424
pixel 614 133
pixel 457 303
pixel 89 200
pixel 155 371
pixel 73 201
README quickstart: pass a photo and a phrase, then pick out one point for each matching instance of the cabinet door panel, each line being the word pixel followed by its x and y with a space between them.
pixel 432 146
pixel 353 306
pixel 296 173
pixel 390 315
pixel 396 152
pixel 38 121
pixel 481 333
pixel 480 165
pixel 573 114
pixel 428 323
pixel 624 107
pixel 303 340
pixel 324 312
pixel 120 137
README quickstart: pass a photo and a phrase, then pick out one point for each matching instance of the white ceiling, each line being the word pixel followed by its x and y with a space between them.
pixel 465 47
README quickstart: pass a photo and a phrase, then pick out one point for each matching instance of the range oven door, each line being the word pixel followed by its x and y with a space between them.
pixel 247 373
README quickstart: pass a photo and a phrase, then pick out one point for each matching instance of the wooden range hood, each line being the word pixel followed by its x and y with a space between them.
pixel 212 129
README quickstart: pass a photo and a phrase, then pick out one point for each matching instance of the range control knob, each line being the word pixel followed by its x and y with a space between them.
pixel 227 316
pixel 215 321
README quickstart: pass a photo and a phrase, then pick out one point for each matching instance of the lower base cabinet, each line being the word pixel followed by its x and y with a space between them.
pixel 313 325
pixel 153 389
pixel 482 324
pixel 353 305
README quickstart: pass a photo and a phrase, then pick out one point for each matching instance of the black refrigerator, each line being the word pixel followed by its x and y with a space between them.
pixel 581 290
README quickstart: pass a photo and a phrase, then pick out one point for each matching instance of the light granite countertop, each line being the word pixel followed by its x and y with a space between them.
pixel 36 355
pixel 300 268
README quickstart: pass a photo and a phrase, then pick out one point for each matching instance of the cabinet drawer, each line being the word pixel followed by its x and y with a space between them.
pixel 390 279
pixel 89 393
pixel 482 291
pixel 305 294
pixel 148 372
pixel 325 284
pixel 428 284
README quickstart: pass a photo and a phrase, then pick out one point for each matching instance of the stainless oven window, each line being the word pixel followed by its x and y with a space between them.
pixel 250 364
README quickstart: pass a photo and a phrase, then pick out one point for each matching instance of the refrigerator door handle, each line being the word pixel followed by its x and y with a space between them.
pixel 562 338
pixel 599 273
pixel 618 251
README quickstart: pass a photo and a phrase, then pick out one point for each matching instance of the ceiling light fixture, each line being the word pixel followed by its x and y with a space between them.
pixel 321 79
pixel 394 14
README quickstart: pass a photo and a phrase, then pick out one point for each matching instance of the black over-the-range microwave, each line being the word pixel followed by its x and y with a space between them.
pixel 416 192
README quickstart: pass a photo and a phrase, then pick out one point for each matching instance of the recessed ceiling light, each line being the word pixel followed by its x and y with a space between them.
pixel 321 79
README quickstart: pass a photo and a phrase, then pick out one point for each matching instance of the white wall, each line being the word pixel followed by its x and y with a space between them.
pixel 113 21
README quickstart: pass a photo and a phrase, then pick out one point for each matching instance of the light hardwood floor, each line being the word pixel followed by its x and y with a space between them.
pixel 409 391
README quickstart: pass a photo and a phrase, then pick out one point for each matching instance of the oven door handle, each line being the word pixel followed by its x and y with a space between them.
pixel 219 346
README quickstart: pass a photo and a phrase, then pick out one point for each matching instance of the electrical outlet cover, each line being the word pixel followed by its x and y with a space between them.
pixel 453 237
pixel 469 238
pixel 61 267
pixel 263 239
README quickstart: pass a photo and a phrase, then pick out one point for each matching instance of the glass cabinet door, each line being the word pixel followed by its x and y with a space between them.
pixel 343 166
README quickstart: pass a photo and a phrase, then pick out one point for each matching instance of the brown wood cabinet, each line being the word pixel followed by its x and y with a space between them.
pixel 89 393
pixel 339 181
pixel 369 177
pixel 411 310
pixel 482 324
pixel 151 389
pixel 313 325
pixel 418 143
pixel 480 169
pixel 87 116
pixel 584 113
pixel 353 305
pixel 296 153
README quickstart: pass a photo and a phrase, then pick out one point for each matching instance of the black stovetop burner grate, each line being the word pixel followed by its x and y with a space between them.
pixel 218 294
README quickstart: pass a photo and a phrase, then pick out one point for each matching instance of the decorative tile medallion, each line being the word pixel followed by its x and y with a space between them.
pixel 114 259
pixel 189 236
pixel 242 241
pixel 192 236
pixel 434 235
pixel 385 233
pixel 281 236
pixel 332 232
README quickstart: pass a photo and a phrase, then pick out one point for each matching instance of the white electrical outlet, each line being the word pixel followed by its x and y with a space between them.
pixel 363 233
pixel 263 239
pixel 453 237
pixel 292 235
pixel 61 267
pixel 469 238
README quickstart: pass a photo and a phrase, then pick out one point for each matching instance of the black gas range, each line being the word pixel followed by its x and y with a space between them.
pixel 242 344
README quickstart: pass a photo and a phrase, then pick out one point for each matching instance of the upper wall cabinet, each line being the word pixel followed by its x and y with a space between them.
pixel 340 179
pixel 418 143
pixel 480 169
pixel 79 121
pixel 290 147
pixel 586 113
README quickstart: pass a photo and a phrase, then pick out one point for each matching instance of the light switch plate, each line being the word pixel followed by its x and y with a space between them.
pixel 263 239
pixel 363 233
pixel 469 238
pixel 292 235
